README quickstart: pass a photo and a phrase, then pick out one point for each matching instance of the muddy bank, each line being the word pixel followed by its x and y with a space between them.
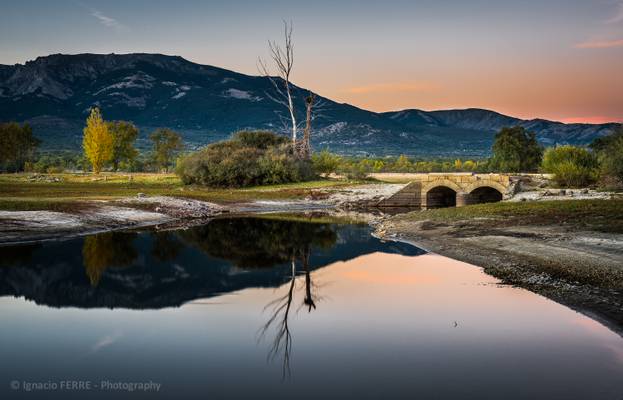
pixel 99 216
pixel 30 226
pixel 83 218
pixel 581 269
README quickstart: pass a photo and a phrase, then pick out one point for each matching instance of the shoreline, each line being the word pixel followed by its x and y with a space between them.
pixel 90 216
pixel 581 269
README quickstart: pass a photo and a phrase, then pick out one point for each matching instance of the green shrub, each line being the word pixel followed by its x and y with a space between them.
pixel 56 162
pixel 356 169
pixel 403 164
pixel 609 151
pixel 248 159
pixel 259 139
pixel 572 166
pixel 325 162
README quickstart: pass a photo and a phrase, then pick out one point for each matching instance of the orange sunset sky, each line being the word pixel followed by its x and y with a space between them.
pixel 554 59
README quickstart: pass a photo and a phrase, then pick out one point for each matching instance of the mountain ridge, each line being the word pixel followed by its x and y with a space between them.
pixel 207 103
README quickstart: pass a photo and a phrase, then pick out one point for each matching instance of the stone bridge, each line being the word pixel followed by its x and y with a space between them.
pixel 437 190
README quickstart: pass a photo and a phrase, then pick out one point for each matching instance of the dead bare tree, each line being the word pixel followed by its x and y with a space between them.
pixel 305 149
pixel 283 58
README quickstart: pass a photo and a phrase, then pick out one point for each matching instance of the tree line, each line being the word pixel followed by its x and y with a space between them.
pixel 112 144
pixel 256 157
pixel 106 145
pixel 17 146
pixel 514 150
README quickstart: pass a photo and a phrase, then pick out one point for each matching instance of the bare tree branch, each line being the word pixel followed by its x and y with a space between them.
pixel 280 315
pixel 283 59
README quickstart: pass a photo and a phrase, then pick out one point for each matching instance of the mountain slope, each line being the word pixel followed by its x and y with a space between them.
pixel 548 132
pixel 207 103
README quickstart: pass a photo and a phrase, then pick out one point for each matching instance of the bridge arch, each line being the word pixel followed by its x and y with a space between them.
pixel 486 182
pixel 441 182
pixel 440 193
pixel 485 194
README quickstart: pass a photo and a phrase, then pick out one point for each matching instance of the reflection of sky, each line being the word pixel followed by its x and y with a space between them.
pixel 384 326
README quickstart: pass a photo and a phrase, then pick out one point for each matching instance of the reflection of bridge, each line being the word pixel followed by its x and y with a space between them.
pixel 436 190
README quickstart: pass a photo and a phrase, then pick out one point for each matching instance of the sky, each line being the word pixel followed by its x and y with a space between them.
pixel 553 59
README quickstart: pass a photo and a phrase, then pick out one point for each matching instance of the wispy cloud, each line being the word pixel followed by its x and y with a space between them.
pixel 108 21
pixel 600 44
pixel 618 16
pixel 393 88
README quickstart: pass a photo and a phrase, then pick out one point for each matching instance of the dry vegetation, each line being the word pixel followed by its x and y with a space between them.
pixel 62 192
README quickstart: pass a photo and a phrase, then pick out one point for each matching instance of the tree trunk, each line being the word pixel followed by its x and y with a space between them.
pixel 306 145
pixel 292 116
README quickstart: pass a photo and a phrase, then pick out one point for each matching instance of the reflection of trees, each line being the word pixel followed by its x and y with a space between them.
pixel 105 250
pixel 166 246
pixel 17 255
pixel 259 242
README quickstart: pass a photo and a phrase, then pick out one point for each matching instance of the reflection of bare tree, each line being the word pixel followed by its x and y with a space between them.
pixel 309 296
pixel 280 312
pixel 279 317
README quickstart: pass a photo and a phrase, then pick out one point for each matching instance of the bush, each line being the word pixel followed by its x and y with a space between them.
pixel 248 159
pixel 325 162
pixel 572 166
pixel 609 151
pixel 55 162
pixel 259 139
pixel 358 170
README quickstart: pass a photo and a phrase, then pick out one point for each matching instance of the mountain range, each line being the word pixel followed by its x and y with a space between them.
pixel 206 103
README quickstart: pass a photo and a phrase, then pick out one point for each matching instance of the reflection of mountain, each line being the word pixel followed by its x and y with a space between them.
pixel 163 269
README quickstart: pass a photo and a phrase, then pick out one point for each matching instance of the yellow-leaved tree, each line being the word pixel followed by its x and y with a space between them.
pixel 97 141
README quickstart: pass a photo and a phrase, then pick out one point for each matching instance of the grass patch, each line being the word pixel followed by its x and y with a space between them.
pixel 20 192
pixel 597 215
pixel 58 205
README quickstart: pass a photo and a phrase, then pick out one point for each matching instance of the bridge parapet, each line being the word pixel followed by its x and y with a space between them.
pixel 450 189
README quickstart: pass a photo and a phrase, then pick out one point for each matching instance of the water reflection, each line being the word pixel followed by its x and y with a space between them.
pixel 260 242
pixel 16 255
pixel 107 250
pixel 280 314
pixel 155 269
pixel 149 269
pixel 339 314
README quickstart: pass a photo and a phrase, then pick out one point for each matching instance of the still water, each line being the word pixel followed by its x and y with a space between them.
pixel 270 308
